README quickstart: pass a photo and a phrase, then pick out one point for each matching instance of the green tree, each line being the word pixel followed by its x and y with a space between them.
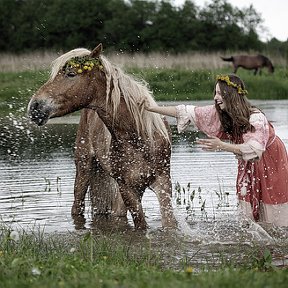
pixel 74 23
pixel 134 25
pixel 189 27
pixel 165 32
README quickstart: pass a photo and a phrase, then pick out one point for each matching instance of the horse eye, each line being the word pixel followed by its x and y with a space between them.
pixel 71 74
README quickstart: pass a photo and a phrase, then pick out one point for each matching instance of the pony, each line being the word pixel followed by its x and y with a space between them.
pixel 121 149
pixel 256 62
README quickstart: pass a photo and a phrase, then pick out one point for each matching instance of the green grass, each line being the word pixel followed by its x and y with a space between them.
pixel 185 85
pixel 94 260
pixel 16 88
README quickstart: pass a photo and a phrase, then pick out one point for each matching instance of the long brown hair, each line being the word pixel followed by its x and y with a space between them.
pixel 235 118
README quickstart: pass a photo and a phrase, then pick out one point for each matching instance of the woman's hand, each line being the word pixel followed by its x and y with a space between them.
pixel 215 144
pixel 164 110
pixel 211 144
pixel 144 104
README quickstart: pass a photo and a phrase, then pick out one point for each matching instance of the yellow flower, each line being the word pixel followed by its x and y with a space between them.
pixel 189 270
pixel 225 78
pixel 83 64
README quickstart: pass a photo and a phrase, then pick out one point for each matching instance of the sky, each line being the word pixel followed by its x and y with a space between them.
pixel 273 12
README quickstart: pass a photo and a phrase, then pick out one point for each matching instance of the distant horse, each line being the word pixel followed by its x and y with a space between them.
pixel 120 147
pixel 256 62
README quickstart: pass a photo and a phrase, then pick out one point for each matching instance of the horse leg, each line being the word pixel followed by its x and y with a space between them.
pixel 255 71
pixel 81 185
pixel 235 69
pixel 104 193
pixel 83 162
pixel 162 186
pixel 134 206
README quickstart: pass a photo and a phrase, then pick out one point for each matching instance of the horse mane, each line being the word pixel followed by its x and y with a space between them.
pixel 134 92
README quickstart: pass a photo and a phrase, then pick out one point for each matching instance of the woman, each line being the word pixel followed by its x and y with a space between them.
pixel 232 124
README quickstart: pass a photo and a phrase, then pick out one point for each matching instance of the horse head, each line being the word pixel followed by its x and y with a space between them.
pixel 71 86
pixel 266 62
pixel 270 67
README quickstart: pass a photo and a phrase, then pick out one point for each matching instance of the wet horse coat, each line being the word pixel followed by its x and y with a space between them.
pixel 253 62
pixel 120 147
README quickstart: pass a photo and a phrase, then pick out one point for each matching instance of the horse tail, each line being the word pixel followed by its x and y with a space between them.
pixel 230 59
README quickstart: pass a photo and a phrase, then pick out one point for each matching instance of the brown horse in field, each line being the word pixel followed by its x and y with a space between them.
pixel 120 147
pixel 256 62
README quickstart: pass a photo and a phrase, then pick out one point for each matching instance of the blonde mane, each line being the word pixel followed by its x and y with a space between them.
pixel 133 91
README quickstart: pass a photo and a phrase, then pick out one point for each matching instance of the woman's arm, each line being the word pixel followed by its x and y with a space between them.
pixel 165 110
pixel 214 144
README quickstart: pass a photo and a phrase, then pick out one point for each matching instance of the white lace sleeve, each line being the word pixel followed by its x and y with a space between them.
pixel 185 116
pixel 255 142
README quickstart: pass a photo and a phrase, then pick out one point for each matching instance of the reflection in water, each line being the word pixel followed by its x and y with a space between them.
pixel 37 177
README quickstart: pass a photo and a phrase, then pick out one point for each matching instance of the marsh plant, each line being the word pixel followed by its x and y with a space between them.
pixel 222 194
pixel 195 201
pixel 40 60
pixel 47 184
pixel 58 185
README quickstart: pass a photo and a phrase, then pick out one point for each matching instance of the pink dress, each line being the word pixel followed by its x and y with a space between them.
pixel 262 180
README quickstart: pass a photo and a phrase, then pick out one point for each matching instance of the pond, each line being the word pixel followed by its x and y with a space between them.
pixel 37 177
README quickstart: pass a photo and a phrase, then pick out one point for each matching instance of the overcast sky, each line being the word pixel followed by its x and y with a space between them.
pixel 273 12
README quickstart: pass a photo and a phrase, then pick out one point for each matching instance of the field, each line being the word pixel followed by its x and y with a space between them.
pixel 189 61
pixel 170 77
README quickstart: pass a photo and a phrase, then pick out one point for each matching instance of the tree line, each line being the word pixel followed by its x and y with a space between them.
pixel 129 25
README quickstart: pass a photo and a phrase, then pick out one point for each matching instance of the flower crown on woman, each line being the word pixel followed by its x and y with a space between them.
pixel 226 79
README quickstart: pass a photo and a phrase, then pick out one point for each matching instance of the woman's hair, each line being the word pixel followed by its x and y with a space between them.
pixel 235 117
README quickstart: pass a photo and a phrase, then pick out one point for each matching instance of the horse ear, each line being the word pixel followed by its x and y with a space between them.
pixel 96 51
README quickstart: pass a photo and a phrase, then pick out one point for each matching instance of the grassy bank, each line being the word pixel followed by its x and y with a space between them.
pixel 179 85
pixel 95 260
pixel 16 88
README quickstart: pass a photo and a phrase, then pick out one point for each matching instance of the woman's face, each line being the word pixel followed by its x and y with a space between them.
pixel 218 98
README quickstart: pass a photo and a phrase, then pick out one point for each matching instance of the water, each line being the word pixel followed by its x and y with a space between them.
pixel 37 177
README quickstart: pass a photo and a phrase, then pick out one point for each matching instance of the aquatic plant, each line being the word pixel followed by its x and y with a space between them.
pixel 186 196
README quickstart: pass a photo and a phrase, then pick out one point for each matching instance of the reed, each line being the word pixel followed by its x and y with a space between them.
pixel 194 60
